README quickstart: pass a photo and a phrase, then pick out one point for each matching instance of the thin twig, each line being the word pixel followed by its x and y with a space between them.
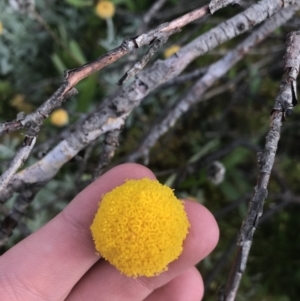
pixel 18 160
pixel 83 162
pixel 140 64
pixel 220 263
pixel 181 79
pixel 114 111
pixel 153 10
pixel 19 210
pixel 282 108
pixel 110 144
pixel 170 12
pixel 72 77
pixel 214 72
pixel 33 122
pixel 192 167
pixel 231 206
pixel 54 36
pixel 285 199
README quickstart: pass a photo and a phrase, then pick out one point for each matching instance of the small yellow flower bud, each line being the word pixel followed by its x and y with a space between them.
pixel 171 50
pixel 140 227
pixel 105 9
pixel 1 28
pixel 19 103
pixel 59 117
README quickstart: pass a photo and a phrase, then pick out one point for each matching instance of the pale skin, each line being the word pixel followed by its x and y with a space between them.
pixel 58 262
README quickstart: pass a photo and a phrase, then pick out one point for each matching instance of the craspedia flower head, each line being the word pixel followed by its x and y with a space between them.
pixel 105 9
pixel 171 50
pixel 59 117
pixel 140 227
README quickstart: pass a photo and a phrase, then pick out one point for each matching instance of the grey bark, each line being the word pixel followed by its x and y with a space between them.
pixel 214 72
pixel 265 159
pixel 112 115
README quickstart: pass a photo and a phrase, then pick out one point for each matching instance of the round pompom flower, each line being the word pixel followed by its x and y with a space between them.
pixel 105 9
pixel 140 227
pixel 59 117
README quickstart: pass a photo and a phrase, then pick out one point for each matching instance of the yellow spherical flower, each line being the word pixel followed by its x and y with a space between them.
pixel 1 28
pixel 140 227
pixel 59 117
pixel 105 9
pixel 171 50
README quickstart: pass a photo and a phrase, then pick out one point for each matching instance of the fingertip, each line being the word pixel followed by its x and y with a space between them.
pixel 188 286
pixel 133 170
pixel 120 173
pixel 195 283
pixel 204 227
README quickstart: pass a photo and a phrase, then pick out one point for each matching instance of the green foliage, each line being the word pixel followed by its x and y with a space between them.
pixel 79 3
pixel 32 64
pixel 87 90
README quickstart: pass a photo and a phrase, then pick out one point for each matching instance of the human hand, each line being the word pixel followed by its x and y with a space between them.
pixel 58 262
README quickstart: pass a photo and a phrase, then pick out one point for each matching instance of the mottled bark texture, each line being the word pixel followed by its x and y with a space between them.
pixel 112 114
pixel 109 118
pixel 283 102
pixel 32 123
pixel 213 73
pixel 110 145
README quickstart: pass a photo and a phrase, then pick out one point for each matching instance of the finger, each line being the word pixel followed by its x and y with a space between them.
pixel 47 264
pixel 186 287
pixel 105 280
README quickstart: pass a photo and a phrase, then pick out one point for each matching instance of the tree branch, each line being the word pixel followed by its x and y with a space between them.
pixel 110 144
pixel 33 122
pixel 214 72
pixel 282 108
pixel 153 10
pixel 72 77
pixel 112 114
pixel 18 160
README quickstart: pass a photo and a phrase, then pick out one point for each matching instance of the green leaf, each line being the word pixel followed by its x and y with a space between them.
pixel 87 91
pixel 80 3
pixel 239 155
pixel 229 190
pixel 77 52
pixel 170 180
pixel 204 150
pixel 63 33
pixel 58 63
pixel 5 87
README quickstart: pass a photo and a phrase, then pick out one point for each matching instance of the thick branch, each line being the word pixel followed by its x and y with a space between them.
pixel 33 122
pixel 72 77
pixel 213 73
pixel 111 116
pixel 225 31
pixel 110 145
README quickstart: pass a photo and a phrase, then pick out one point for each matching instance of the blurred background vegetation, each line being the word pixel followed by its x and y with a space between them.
pixel 229 127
